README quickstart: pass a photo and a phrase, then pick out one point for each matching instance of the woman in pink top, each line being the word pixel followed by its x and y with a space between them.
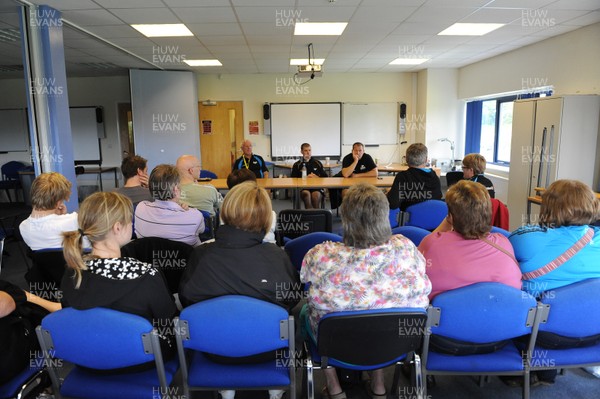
pixel 462 251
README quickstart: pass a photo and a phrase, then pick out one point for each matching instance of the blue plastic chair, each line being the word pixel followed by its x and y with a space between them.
pixel 204 174
pixel 495 229
pixel 367 340
pixel 482 313
pixel 394 215
pixel 415 234
pixel 103 339
pixel 28 380
pixel 10 177
pixel 298 247
pixel 236 326
pixel 427 215
pixel 571 311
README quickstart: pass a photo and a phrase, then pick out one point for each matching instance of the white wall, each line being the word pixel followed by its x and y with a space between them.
pixel 570 62
pixel 255 90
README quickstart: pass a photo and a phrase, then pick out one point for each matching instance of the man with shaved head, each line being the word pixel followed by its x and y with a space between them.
pixel 200 196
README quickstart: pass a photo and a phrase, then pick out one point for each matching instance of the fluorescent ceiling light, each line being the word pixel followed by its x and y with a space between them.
pixel 319 28
pixel 163 30
pixel 469 29
pixel 408 61
pixel 304 61
pixel 203 62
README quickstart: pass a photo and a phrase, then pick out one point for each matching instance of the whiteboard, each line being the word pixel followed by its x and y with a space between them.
pixel 86 129
pixel 318 124
pixel 370 124
pixel 14 134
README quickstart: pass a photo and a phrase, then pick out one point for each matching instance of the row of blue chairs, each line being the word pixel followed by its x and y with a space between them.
pixel 236 326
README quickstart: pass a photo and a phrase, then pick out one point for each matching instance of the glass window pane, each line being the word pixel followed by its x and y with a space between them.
pixel 488 127
pixel 505 131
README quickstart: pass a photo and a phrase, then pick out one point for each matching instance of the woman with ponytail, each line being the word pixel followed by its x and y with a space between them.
pixel 102 278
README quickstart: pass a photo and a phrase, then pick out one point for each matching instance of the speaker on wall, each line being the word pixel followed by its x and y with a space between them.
pixel 402 121
pixel 402 111
pixel 99 116
pixel 266 111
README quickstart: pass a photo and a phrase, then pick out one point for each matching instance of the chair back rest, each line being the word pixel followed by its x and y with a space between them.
pixel 484 312
pixel 234 326
pixel 574 309
pixel 209 225
pixel 298 222
pixel 97 338
pixel 371 337
pixel 415 234
pixel 168 256
pixel 299 246
pixel 207 174
pixel 427 215
pixel 453 177
pixel 10 170
pixel 496 229
pixel 393 216
pixel 500 214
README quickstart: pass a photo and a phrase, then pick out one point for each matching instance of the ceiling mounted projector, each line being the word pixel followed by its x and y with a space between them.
pixel 310 71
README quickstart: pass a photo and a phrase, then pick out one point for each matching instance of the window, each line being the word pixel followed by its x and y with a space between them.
pixel 496 129
pixel 489 127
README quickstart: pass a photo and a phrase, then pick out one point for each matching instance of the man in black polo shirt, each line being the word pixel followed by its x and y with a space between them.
pixel 314 168
pixel 250 161
pixel 358 164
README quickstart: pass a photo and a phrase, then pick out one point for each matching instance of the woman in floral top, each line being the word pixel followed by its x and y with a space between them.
pixel 371 269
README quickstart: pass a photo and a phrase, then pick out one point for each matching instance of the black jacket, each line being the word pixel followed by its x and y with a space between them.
pixel 239 263
pixel 413 186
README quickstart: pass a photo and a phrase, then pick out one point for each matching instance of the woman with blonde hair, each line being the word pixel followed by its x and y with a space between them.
pixel 239 263
pixel 370 269
pixel 49 218
pixel 102 278
pixel 473 167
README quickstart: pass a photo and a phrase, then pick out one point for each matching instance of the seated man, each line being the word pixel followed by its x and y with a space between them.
pixel 314 168
pixel 200 196
pixel 166 217
pixel 135 173
pixel 251 161
pixel 418 183
pixel 358 163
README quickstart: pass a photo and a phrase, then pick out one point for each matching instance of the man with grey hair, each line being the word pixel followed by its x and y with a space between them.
pixel 416 184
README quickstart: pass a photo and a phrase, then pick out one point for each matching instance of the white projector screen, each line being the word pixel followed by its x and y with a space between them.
pixel 319 124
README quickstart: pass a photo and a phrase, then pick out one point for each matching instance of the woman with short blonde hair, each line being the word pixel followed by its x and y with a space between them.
pixel 248 207
pixel 49 218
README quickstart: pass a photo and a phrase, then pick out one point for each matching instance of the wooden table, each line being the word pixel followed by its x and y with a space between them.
pixel 288 166
pixel 298 184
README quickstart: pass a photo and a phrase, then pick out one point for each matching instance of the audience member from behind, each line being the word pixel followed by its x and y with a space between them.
pixel 417 184
pixel 135 173
pixel 239 263
pixel 473 167
pixel 20 313
pixel 241 175
pixel 462 251
pixel 105 279
pixel 248 160
pixel 166 217
pixel 568 208
pixel 204 197
pixel 314 168
pixel 378 270
pixel 49 218
pixel 562 250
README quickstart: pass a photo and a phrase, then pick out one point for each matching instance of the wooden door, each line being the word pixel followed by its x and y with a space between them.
pixel 221 132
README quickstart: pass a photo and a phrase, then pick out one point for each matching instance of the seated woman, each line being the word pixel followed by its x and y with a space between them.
pixel 239 263
pixel 461 250
pixel 49 218
pixel 104 278
pixel 379 271
pixel 568 208
pixel 473 167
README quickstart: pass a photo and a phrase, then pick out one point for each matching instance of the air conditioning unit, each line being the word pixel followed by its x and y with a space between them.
pixel 310 71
